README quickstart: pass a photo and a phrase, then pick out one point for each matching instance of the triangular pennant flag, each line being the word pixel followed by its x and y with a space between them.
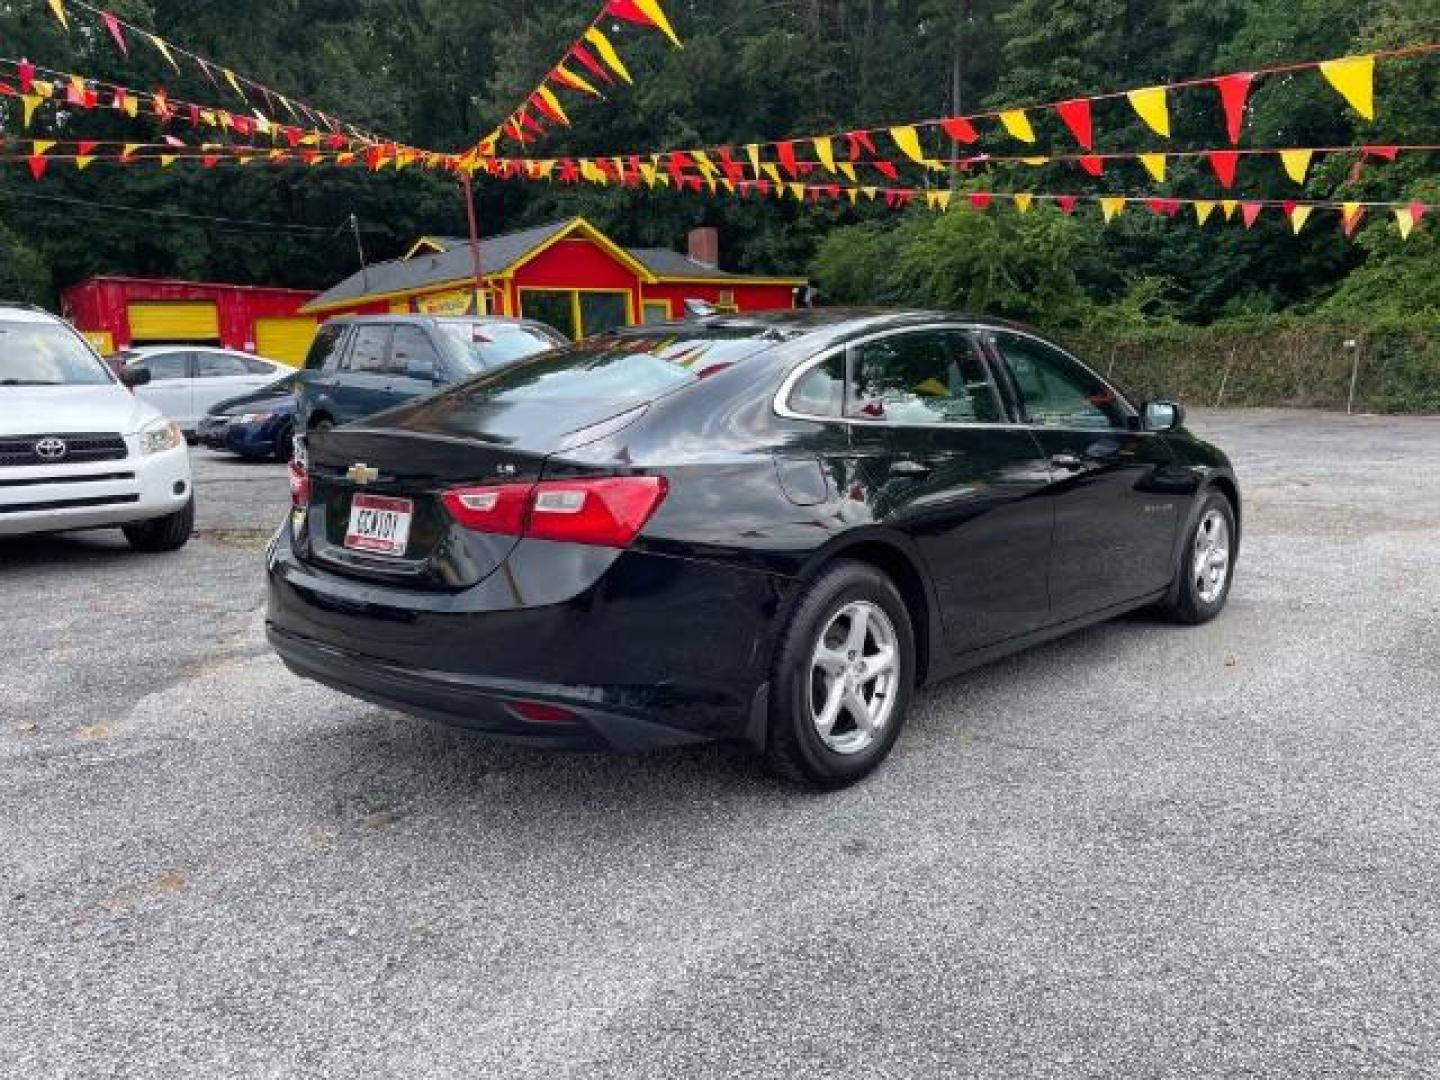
pixel 30 102
pixel 1354 78
pixel 587 61
pixel 1297 164
pixel 981 200
pixel 1155 166
pixel 870 192
pixel 565 77
pixel 113 25
pixel 1234 93
pixel 1249 211
pixel 607 53
pixel 849 171
pixel 1066 203
pixel 960 130
pixel 1112 207
pixel 234 82
pixel 937 200
pixel 785 151
pixel 854 196
pixel 1203 209
pixel 1299 215
pixel 84 155
pixel 1023 202
pixel 908 140
pixel 1153 106
pixel 1405 220
pixel 549 104
pixel 164 51
pixel 128 151
pixel 1225 162
pixel 38 165
pixel 798 190
pixel 825 150
pixel 166 160
pixel 644 13
pixel 1384 153
pixel 1078 119
pixel 57 8
pixel 1418 210
pixel 886 169
pixel 752 151
pixel 1092 164
pixel 1228 207
pixel 1350 215
pixel 1017 123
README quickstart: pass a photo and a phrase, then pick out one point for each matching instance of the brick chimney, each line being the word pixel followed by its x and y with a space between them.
pixel 705 247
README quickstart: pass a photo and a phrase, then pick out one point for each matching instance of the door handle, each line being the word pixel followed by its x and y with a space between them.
pixel 912 469
pixel 1068 462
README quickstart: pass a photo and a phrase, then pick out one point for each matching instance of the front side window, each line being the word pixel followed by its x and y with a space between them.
pixel 44 354
pixel 922 377
pixel 413 346
pixel 1055 391
pixel 324 347
pixel 219 366
pixel 370 352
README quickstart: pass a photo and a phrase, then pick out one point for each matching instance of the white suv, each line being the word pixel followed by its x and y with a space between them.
pixel 77 449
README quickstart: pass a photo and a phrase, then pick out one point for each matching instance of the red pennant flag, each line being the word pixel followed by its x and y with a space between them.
pixel 1092 164
pixel 1077 117
pixel 209 161
pixel 1066 203
pixel 38 165
pixel 26 70
pixel 980 200
pixel 960 130
pixel 1249 211
pixel 75 95
pixel 679 162
pixel 1418 210
pixel 1290 206
pixel 588 61
pixel 1156 206
pixel 293 135
pixel 545 108
pixel 162 105
pixel 786 153
pixel 1224 162
pixel 88 148
pixel 642 14
pixel 860 140
pixel 1234 94
pixel 734 171
pixel 1384 153
pixel 763 186
pixel 113 25
pixel 886 169
pixel 195 116
pixel 6 90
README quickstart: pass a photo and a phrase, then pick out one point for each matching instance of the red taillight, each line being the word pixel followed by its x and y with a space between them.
pixel 299 483
pixel 538 712
pixel 608 512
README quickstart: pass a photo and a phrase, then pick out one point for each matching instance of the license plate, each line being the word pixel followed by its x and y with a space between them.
pixel 378 525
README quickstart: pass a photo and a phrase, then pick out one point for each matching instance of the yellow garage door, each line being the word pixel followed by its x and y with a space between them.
pixel 190 320
pixel 285 340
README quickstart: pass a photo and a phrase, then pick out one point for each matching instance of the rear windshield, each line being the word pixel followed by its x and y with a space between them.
pixel 497 344
pixel 44 354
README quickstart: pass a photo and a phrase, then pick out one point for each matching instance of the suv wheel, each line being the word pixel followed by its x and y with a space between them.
pixel 169 533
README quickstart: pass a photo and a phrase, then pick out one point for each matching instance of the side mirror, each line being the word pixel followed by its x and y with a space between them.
pixel 1162 416
pixel 133 375
pixel 423 370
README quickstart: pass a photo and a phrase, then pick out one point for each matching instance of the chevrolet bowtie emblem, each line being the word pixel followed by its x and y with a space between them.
pixel 362 475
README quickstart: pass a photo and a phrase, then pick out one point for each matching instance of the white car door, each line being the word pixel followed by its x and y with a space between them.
pixel 171 387
pixel 223 375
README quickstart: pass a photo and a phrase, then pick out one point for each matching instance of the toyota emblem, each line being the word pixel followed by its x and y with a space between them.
pixel 51 449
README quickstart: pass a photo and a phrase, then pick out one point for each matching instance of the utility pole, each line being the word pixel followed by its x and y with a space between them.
pixel 964 16
pixel 354 224
pixel 467 185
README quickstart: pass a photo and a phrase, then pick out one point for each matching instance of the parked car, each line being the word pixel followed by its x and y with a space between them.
pixel 762 528
pixel 258 425
pixel 187 380
pixel 361 365
pixel 77 449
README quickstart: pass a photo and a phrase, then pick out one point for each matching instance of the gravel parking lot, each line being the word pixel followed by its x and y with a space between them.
pixel 1144 851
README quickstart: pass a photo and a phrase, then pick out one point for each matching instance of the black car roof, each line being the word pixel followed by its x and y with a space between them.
pixel 826 323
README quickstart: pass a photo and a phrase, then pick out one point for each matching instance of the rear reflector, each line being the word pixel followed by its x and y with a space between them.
pixel 538 712
pixel 605 512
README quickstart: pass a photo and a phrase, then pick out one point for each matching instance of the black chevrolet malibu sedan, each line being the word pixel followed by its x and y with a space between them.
pixel 764 528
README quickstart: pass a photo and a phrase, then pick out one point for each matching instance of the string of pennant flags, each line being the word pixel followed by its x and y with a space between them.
pixel 589 67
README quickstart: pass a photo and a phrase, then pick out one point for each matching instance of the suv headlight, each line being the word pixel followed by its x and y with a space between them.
pixel 160 436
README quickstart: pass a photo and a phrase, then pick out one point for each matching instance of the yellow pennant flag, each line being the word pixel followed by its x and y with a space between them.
pixel 870 192
pixel 798 190
pixel 608 54
pixel 234 82
pixel 1354 78
pixel 548 96
pixel 1350 213
pixel 651 10
pixel 1297 163
pixel 728 186
pixel 1017 123
pixel 753 152
pixel 1112 207
pixel 58 7
pixel 1153 106
pixel 565 77
pixel 707 168
pixel 849 171
pixel 1228 207
pixel 908 140
pixel 773 171
pixel 825 149
pixel 166 160
pixel 41 148
pixel 937 200
pixel 1023 202
pixel 854 194
pixel 128 151
pixel 1405 219
pixel 131 107
pixel 1154 165
pixel 164 50
pixel 30 102
pixel 1203 209
pixel 1299 216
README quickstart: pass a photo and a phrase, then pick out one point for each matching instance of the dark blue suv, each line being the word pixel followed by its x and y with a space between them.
pixel 363 364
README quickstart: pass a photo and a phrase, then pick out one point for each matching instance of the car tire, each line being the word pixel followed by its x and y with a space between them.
pixel 285 446
pixel 1207 564
pixel 811 741
pixel 321 423
pixel 169 533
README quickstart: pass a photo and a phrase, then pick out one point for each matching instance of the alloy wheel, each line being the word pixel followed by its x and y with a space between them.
pixel 854 672
pixel 1210 567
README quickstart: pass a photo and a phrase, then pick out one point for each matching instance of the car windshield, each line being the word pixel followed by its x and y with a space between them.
pixel 46 354
pixel 491 345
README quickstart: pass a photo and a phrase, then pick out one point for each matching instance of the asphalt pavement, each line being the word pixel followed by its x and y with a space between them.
pixel 1143 851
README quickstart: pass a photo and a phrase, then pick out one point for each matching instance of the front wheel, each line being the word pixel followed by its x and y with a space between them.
pixel 169 533
pixel 1207 565
pixel 843 678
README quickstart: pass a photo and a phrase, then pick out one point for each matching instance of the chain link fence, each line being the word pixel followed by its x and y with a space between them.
pixel 1369 370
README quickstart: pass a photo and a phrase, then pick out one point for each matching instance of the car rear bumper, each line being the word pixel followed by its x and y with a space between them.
pixel 98 495
pixel 653 652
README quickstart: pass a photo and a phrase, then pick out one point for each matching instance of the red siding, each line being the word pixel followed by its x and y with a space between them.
pixel 747 297
pixel 576 264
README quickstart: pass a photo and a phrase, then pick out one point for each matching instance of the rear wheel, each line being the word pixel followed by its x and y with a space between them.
pixel 285 446
pixel 1207 564
pixel 169 533
pixel 843 678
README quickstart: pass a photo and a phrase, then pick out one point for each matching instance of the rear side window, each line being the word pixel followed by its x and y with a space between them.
pixel 167 367
pixel 324 347
pixel 821 393
pixel 219 366
pixel 370 351
pixel 923 377
pixel 257 367
pixel 413 346
pixel 492 345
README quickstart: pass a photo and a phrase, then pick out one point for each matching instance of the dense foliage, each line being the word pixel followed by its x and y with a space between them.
pixel 436 73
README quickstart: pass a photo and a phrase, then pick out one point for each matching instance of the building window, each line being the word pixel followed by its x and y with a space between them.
pixel 726 303
pixel 657 311
pixel 577 313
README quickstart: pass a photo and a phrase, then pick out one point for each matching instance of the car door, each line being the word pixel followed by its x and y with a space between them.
pixel 363 384
pixel 220 376
pixel 411 353
pixel 171 388
pixel 1115 521
pixel 948 468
